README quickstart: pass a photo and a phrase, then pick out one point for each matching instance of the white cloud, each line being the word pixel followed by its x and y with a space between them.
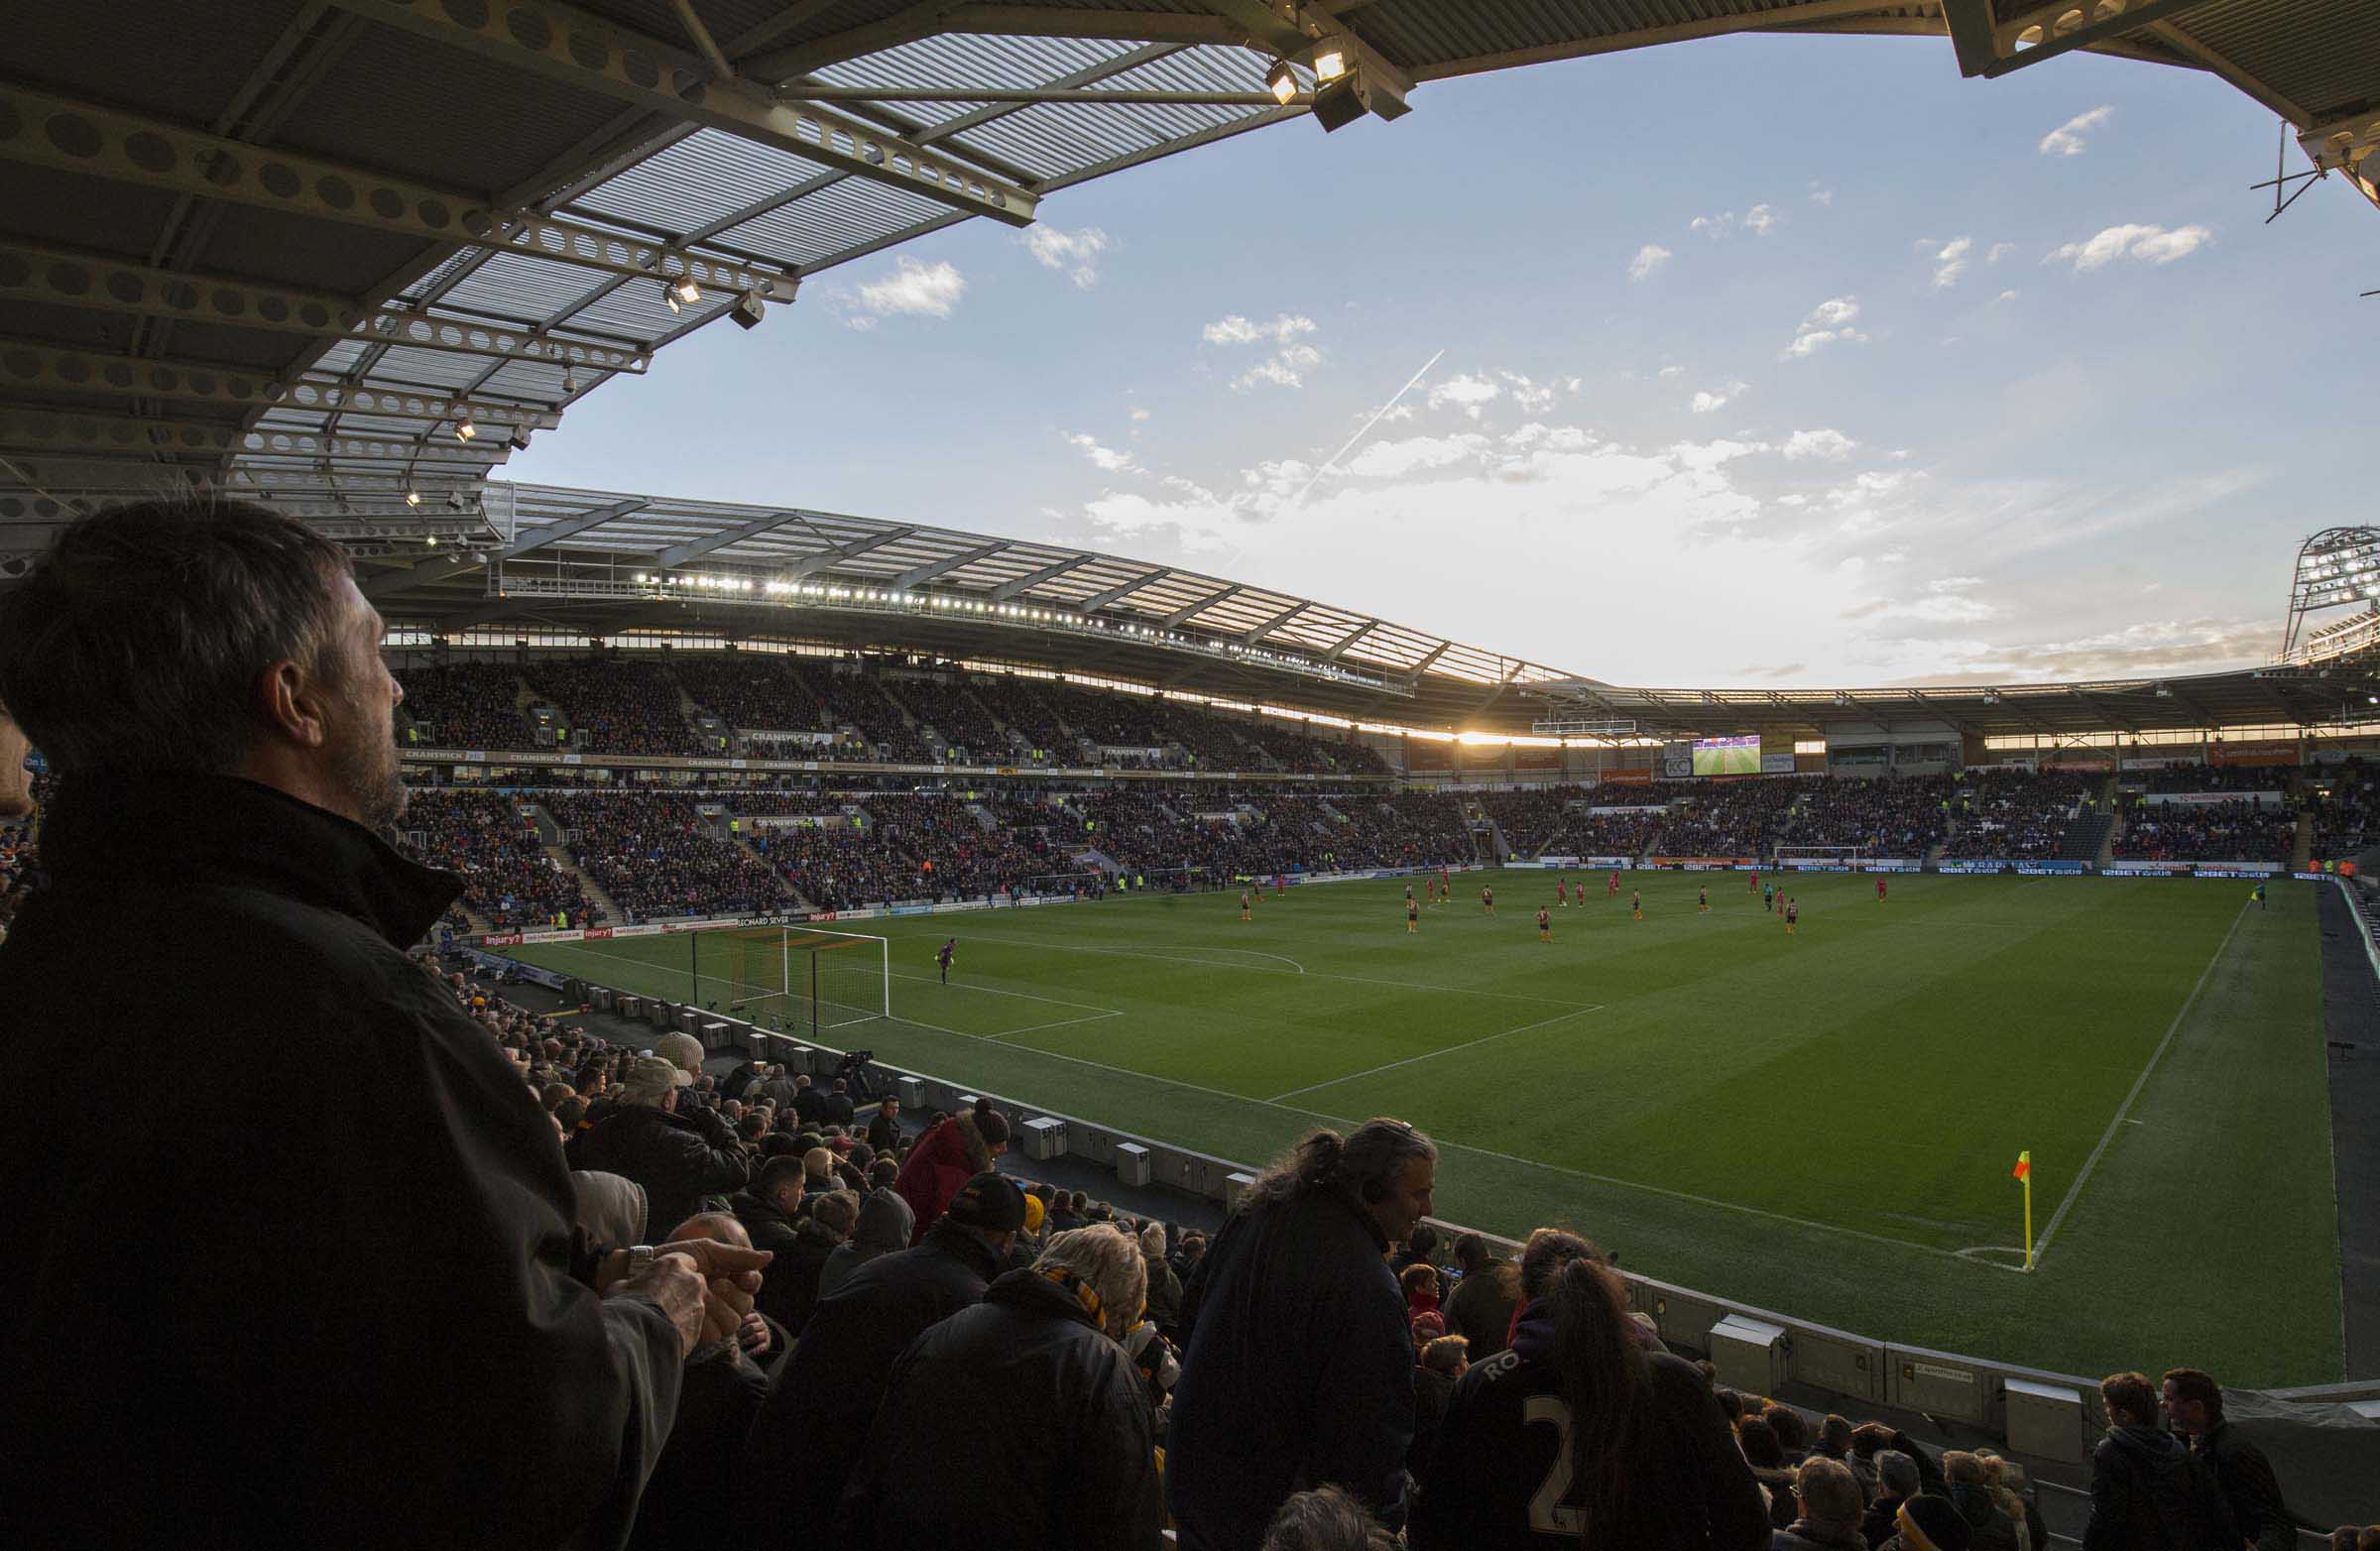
pixel 1108 459
pixel 1760 220
pixel 1139 413
pixel 1825 443
pixel 1283 368
pixel 1530 394
pixel 1950 262
pixel 1673 371
pixel 1828 323
pixel 2006 295
pixel 1395 459
pixel 1720 226
pixel 2067 139
pixel 1466 391
pixel 1705 402
pixel 1077 253
pixel 1649 261
pixel 2149 244
pixel 1818 195
pixel 914 289
pixel 2000 251
pixel 1238 330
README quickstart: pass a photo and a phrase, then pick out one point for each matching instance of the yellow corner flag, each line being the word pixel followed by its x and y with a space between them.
pixel 2024 1172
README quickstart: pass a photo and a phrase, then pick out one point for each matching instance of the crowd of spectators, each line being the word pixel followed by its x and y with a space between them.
pixel 756 692
pixel 619 706
pixel 655 858
pixel 856 698
pixel 2016 815
pixel 2346 813
pixel 1532 816
pixel 1021 705
pixel 463 705
pixel 2212 777
pixel 484 838
pixel 1902 816
pixel 966 729
pixel 2237 831
pixel 1728 818
pixel 1118 720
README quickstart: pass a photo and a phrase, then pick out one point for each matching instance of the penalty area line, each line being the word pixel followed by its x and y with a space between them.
pixel 2041 1245
pixel 1432 1055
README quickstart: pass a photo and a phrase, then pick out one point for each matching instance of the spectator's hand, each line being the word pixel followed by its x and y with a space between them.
pixel 673 1285
pixel 752 1336
pixel 733 1276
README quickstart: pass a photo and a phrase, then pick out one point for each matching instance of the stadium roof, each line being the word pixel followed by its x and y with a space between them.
pixel 354 252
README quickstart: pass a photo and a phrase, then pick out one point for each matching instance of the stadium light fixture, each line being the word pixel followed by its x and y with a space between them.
pixel 1281 81
pixel 685 290
pixel 1330 59
pixel 750 311
pixel 569 380
pixel 412 498
pixel 465 428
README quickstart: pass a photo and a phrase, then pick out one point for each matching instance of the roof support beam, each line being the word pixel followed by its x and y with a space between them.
pixel 1018 586
pixel 2187 44
pixel 592 55
pixel 1057 21
pixel 828 559
pixel 920 574
pixel 694 548
pixel 61 277
pixel 1182 615
pixel 61 369
pixel 1991 48
pixel 1274 623
pixel 90 141
pixel 1099 600
pixel 445 566
pixel 1413 675
pixel 1033 94
pixel 1810 11
pixel 568 528
pixel 917 22
pixel 1339 646
pixel 61 430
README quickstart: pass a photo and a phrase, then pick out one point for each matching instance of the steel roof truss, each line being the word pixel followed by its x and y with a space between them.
pixel 918 575
pixel 595 56
pixel 1274 623
pixel 1182 615
pixel 26 363
pixel 1017 586
pixel 692 548
pixel 96 142
pixel 810 565
pixel 1989 47
pixel 1099 600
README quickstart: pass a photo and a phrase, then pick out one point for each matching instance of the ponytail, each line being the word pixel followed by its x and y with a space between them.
pixel 1600 1370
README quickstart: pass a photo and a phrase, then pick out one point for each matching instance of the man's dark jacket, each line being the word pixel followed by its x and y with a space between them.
pixel 2148 1494
pixel 808 1435
pixel 1297 1370
pixel 1071 1466
pixel 883 1134
pixel 327 1301
pixel 678 1158
pixel 2249 1485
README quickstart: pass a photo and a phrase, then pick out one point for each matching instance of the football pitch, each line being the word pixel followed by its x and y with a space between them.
pixel 1822 1124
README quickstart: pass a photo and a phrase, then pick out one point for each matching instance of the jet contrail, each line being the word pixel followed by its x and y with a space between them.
pixel 1359 436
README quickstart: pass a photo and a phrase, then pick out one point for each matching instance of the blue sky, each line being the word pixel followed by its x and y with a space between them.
pixel 1953 380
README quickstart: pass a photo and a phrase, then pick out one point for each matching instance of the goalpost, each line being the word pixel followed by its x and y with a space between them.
pixel 798 980
pixel 1849 856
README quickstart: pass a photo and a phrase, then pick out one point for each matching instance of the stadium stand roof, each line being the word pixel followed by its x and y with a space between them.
pixel 352 253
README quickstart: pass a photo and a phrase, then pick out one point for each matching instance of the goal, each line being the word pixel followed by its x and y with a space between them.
pixel 798 980
pixel 1847 856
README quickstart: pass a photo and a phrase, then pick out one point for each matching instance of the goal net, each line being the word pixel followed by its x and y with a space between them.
pixel 1787 855
pixel 798 980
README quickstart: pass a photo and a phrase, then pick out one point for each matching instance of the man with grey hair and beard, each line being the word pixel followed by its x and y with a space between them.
pixel 1021 1418
pixel 422 1351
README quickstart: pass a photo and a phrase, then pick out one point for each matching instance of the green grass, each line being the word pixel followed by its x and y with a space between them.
pixel 1822 1125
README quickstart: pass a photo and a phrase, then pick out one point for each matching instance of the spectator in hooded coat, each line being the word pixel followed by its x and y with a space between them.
pixel 884 1228
pixel 1071 1463
pixel 948 1155
pixel 678 1157
pixel 2147 1492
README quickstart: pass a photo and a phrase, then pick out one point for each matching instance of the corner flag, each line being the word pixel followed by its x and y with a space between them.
pixel 2024 1171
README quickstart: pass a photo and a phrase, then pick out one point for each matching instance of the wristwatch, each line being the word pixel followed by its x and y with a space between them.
pixel 641 1257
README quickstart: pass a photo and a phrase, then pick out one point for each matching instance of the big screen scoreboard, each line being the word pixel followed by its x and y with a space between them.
pixel 1728 755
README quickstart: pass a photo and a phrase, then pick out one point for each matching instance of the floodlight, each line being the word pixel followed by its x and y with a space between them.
pixel 1281 81
pixel 569 380
pixel 687 290
pixel 749 310
pixel 465 429
pixel 670 295
pixel 1336 105
pixel 433 540
pixel 412 498
pixel 1330 59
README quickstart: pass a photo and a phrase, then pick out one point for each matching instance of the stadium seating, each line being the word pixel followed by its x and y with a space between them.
pixel 2207 832
pixel 2017 815
pixel 463 705
pixel 2347 821
pixel 655 858
pixel 618 707
pixel 507 876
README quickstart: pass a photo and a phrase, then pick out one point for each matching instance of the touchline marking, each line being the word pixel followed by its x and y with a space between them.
pixel 1259 969
pixel 1088 1017
pixel 2041 1245
pixel 1432 1055
pixel 994 991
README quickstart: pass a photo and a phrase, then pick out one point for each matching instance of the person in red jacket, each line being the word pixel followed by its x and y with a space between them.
pixel 948 1156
